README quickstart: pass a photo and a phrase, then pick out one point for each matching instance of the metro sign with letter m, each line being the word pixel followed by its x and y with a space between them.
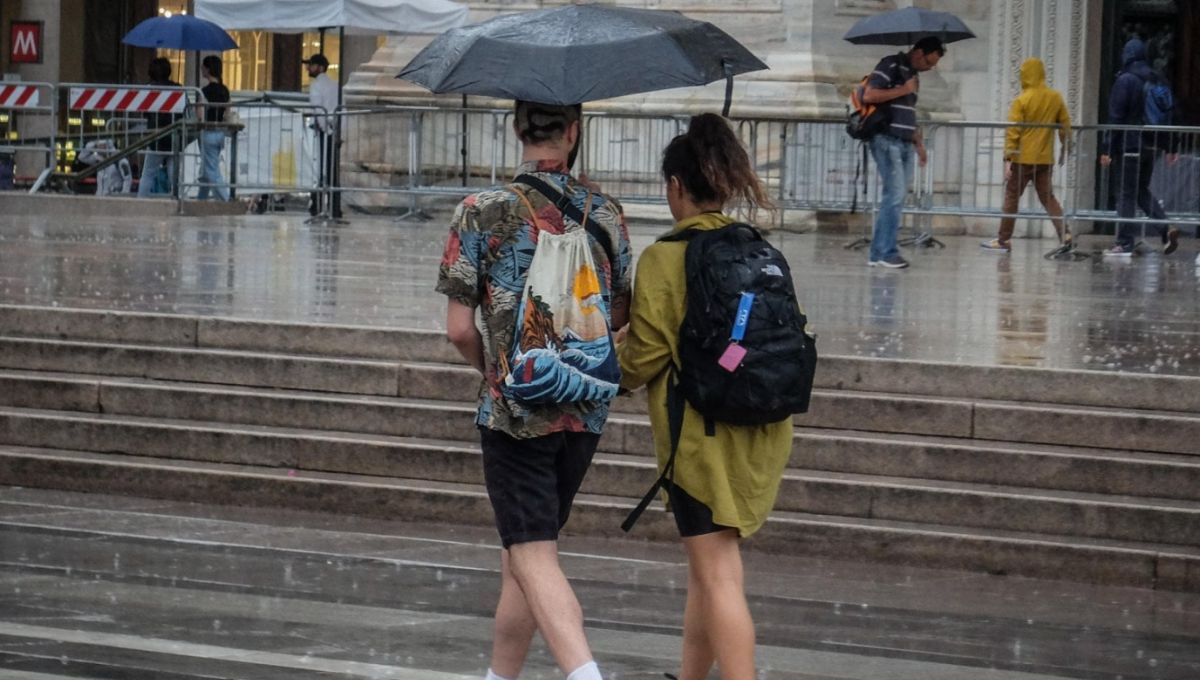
pixel 25 41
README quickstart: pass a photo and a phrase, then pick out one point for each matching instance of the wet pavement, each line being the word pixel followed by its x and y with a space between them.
pixel 959 304
pixel 96 586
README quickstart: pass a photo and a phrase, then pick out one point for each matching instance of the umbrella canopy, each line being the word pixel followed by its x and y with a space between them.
pixel 907 26
pixel 180 32
pixel 357 17
pixel 579 53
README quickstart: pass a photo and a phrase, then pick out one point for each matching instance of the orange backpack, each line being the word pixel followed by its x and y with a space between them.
pixel 864 121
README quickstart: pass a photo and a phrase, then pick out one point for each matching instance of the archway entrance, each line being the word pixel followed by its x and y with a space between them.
pixel 1171 30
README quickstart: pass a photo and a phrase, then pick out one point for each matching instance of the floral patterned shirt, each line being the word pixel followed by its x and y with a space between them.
pixel 487 255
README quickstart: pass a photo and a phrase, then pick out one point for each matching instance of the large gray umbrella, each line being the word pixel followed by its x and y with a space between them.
pixel 907 26
pixel 579 53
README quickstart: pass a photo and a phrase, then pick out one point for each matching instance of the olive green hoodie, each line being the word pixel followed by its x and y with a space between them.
pixel 1037 103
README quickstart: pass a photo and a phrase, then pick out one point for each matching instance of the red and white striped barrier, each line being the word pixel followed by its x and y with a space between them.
pixel 121 99
pixel 18 96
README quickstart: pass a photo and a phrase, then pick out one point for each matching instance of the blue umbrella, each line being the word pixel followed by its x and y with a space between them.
pixel 180 32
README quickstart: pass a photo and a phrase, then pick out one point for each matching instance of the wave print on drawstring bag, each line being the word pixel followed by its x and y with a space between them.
pixel 563 349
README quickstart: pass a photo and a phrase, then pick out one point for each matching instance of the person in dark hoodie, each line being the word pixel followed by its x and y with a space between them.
pixel 1132 152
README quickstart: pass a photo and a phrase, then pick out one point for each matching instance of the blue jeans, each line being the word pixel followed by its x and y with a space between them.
pixel 212 142
pixel 894 158
pixel 151 162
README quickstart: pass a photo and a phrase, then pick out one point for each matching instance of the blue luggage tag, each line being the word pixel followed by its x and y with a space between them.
pixel 742 318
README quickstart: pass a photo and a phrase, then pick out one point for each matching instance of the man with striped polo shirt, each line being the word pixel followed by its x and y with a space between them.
pixel 893 86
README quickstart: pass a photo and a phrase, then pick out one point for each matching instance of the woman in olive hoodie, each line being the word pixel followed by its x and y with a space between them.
pixel 725 482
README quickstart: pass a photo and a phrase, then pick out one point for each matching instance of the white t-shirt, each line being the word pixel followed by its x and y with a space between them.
pixel 323 92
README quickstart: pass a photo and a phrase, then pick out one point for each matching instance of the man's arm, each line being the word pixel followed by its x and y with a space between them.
pixel 464 334
pixel 877 95
pixel 919 144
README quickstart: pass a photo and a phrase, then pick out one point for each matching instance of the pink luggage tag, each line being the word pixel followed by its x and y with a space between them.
pixel 732 357
pixel 735 353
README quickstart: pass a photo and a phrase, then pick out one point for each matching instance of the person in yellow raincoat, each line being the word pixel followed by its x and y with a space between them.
pixel 1029 151
pixel 724 483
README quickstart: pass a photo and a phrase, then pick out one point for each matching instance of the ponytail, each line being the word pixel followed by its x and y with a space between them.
pixel 713 166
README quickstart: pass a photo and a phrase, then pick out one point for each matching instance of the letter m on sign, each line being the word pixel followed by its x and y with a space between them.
pixel 25 40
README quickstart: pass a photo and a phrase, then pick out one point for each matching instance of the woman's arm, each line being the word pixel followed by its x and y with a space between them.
pixel 646 350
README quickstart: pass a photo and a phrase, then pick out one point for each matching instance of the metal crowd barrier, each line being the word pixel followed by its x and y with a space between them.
pixel 102 121
pixel 28 125
pixel 965 174
pixel 392 157
pixel 271 150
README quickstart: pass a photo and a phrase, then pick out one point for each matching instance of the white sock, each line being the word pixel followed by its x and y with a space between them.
pixel 588 671
pixel 492 676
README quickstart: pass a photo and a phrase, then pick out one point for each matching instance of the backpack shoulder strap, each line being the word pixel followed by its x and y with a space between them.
pixel 564 204
pixel 675 411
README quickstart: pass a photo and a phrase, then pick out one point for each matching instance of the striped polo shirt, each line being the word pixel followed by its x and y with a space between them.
pixel 894 71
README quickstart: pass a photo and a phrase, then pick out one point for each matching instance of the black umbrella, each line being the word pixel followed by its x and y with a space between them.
pixel 578 53
pixel 907 26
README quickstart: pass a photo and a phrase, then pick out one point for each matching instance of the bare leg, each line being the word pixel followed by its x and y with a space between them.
pixel 715 567
pixel 514 627
pixel 698 656
pixel 551 601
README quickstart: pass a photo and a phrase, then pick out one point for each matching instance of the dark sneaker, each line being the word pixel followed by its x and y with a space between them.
pixel 1119 250
pixel 893 262
pixel 996 245
pixel 1172 241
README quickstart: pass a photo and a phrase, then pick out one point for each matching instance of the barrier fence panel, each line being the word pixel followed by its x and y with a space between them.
pixel 265 148
pixel 1121 159
pixel 965 175
pixel 824 167
pixel 103 120
pixel 28 124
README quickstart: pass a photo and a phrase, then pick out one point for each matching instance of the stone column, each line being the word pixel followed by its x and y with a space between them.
pixel 50 13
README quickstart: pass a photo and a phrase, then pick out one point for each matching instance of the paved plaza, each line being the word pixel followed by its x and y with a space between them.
pixel 96 586
pixel 958 305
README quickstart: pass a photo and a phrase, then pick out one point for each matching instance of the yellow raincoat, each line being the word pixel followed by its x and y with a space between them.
pixel 736 472
pixel 1037 103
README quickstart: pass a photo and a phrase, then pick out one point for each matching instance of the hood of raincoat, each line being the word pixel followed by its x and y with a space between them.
pixel 1033 73
pixel 1135 59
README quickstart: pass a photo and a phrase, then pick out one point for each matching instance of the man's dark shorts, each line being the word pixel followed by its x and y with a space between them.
pixel 532 482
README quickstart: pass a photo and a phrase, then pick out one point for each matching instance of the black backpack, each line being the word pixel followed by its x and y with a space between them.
pixel 775 359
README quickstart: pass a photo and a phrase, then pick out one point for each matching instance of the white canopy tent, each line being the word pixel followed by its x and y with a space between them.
pixel 356 17
pixel 347 17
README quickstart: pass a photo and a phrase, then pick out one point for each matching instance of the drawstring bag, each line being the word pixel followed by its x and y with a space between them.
pixel 563 349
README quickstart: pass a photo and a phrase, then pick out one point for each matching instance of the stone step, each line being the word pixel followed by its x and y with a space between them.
pixel 1093 470
pixel 1075 468
pixel 1135 563
pixel 855 374
pixel 1164 432
pixel 913 413
pixel 1037 466
pixel 830 493
pixel 226 367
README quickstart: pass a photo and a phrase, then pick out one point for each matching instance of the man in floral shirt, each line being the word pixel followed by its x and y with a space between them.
pixel 534 456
